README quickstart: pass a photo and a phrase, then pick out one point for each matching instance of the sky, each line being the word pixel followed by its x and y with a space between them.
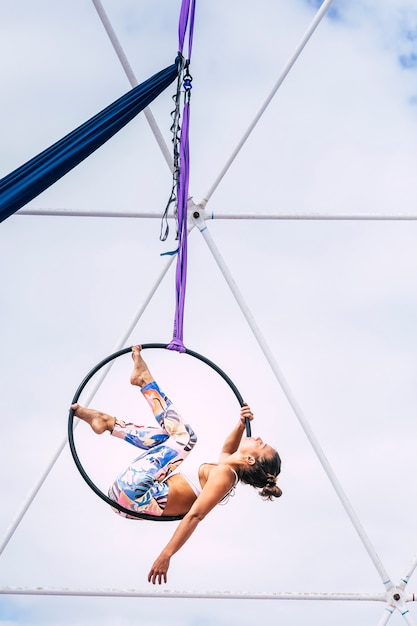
pixel 335 301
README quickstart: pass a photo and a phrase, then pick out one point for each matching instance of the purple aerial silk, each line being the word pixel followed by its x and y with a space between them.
pixel 181 271
pixel 187 13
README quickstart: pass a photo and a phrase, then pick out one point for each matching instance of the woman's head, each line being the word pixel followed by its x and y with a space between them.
pixel 261 467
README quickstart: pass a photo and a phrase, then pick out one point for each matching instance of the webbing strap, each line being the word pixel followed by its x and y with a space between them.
pixel 186 20
pixel 187 13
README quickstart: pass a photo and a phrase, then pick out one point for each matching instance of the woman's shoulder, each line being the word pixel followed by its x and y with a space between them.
pixel 227 476
pixel 220 469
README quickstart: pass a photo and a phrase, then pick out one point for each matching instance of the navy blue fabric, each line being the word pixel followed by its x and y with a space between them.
pixel 30 179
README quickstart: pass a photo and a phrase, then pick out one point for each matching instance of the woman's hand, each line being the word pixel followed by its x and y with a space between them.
pixel 159 569
pixel 219 483
pixel 245 412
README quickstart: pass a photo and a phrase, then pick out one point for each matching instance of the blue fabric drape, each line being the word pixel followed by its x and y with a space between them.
pixel 30 179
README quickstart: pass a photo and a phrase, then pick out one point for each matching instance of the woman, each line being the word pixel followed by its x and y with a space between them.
pixel 149 485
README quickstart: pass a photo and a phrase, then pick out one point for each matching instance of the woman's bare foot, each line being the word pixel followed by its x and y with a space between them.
pixel 99 422
pixel 141 376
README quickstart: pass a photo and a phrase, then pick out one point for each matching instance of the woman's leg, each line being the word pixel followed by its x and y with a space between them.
pixel 162 408
pixel 145 437
pixel 139 436
pixel 170 422
pixel 136 488
pixel 141 486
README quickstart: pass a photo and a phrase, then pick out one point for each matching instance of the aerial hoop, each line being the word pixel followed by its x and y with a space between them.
pixel 91 373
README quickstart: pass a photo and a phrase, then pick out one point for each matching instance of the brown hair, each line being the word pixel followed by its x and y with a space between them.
pixel 263 475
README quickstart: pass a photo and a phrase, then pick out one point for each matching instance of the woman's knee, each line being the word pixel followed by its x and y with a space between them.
pixel 192 438
pixel 179 432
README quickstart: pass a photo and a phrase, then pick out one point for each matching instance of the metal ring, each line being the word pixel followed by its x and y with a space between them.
pixel 91 373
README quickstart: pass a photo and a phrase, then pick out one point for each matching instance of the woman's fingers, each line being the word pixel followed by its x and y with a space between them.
pixel 246 412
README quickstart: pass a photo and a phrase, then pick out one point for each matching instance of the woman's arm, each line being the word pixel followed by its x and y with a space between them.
pixel 218 484
pixel 232 442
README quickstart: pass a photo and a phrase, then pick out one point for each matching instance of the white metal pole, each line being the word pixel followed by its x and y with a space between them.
pixel 408 573
pixel 386 615
pixel 133 80
pixel 305 216
pixel 407 617
pixel 208 595
pixel 291 399
pixel 405 612
pixel 316 21
pixel 120 344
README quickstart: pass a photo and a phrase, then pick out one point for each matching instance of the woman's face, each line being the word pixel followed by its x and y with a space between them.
pixel 256 447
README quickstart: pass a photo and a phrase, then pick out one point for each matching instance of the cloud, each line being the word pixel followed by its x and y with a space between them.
pixel 335 301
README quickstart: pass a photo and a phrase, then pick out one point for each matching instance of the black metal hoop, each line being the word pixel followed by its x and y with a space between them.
pixel 91 373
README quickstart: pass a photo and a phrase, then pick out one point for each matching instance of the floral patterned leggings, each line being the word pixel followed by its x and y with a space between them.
pixel 142 486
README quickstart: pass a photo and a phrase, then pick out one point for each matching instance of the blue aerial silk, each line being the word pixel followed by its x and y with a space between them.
pixel 30 179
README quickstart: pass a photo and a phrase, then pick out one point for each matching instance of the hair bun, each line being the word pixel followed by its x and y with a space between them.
pixel 269 493
pixel 271 480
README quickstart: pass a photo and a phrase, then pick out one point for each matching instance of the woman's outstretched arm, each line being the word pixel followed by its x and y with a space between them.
pixel 233 440
pixel 218 484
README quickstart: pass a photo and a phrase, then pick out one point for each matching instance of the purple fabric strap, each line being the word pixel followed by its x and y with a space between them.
pixel 187 13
